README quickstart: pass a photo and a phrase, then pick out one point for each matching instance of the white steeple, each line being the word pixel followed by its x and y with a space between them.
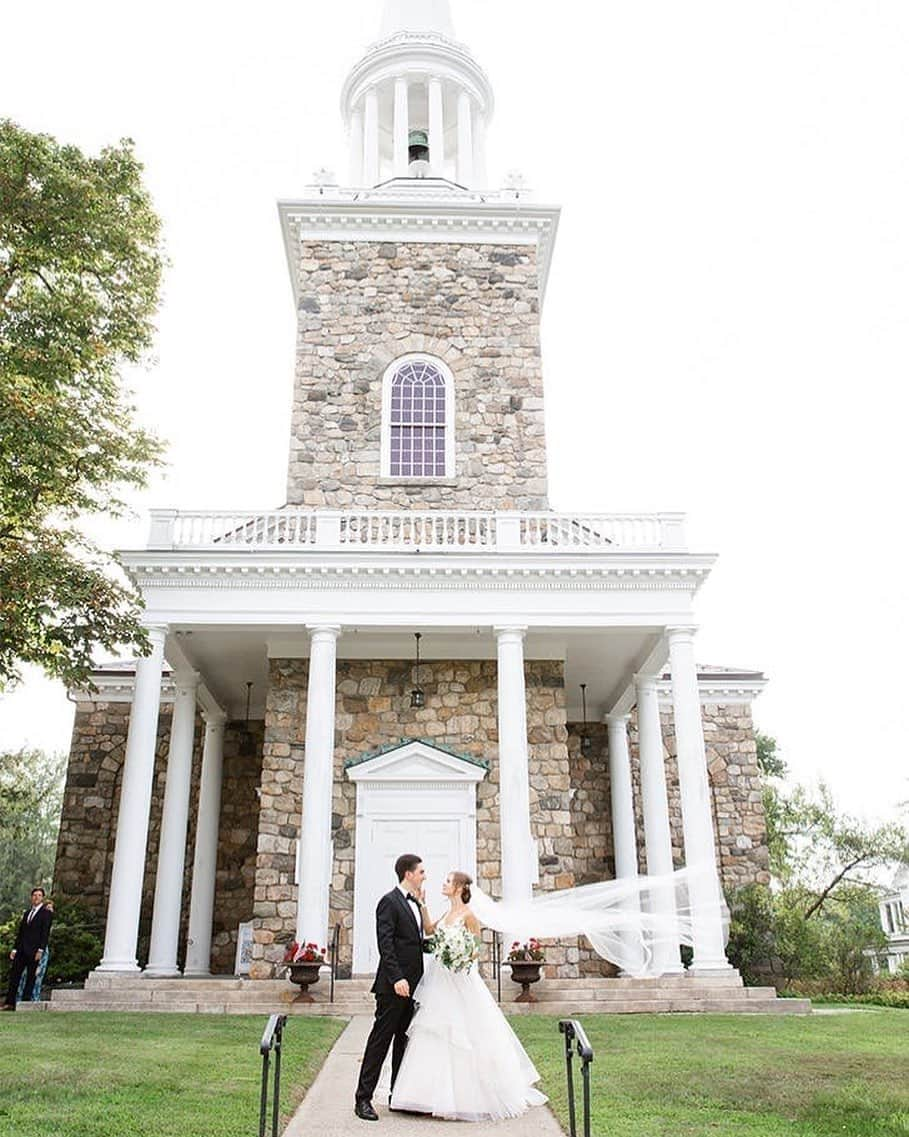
pixel 417 104
pixel 429 16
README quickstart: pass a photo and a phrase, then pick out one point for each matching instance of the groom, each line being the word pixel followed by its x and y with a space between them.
pixel 399 932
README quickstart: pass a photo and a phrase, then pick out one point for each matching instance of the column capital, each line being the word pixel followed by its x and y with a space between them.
pixel 323 632
pixel 157 634
pixel 186 679
pixel 646 682
pixel 618 720
pixel 515 631
pixel 682 633
pixel 215 719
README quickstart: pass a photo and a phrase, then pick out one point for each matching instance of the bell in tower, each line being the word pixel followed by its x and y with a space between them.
pixel 418 154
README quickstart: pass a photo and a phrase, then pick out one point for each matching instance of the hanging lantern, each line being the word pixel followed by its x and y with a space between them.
pixel 247 742
pixel 417 695
pixel 586 740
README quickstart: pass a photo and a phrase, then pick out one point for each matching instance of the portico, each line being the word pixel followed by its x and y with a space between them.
pixel 607 599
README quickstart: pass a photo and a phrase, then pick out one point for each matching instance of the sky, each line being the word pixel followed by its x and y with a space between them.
pixel 725 331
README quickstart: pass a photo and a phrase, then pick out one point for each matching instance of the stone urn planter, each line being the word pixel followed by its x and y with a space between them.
pixel 526 973
pixel 304 975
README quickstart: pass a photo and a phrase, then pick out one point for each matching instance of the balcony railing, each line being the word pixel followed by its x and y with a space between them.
pixel 408 531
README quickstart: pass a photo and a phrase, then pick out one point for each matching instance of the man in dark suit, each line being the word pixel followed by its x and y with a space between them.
pixel 31 944
pixel 399 933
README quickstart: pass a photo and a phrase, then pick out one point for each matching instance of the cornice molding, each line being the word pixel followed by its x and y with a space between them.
pixel 441 220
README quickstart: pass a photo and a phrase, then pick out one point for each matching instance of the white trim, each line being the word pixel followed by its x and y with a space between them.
pixel 387 379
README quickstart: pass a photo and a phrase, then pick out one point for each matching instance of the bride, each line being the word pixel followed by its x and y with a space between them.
pixel 463 1061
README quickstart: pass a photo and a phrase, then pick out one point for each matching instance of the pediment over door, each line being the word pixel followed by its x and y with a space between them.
pixel 416 761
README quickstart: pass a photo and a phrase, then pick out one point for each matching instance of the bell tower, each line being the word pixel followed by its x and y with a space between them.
pixel 418 291
pixel 417 104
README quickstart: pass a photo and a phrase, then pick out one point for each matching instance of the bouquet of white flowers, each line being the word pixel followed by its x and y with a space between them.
pixel 454 947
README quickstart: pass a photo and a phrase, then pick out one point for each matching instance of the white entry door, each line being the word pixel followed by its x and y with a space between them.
pixel 413 799
pixel 437 840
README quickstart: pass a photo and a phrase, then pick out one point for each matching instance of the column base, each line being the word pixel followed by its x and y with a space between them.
pixel 122 966
pixel 710 968
pixel 152 972
pixel 198 974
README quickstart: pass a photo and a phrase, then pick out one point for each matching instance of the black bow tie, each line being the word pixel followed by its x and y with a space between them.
pixel 412 898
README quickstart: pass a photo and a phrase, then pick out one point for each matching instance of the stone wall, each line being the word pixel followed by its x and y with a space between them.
pixel 373 711
pixel 362 305
pixel 91 801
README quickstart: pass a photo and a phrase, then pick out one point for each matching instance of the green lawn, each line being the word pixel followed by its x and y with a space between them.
pixel 121 1075
pixel 843 1074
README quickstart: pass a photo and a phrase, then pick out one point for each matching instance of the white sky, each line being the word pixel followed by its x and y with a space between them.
pixel 725 331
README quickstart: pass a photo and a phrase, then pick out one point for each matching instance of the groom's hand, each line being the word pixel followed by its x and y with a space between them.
pixel 402 988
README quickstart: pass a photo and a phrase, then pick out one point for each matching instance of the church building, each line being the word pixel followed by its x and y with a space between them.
pixel 415 652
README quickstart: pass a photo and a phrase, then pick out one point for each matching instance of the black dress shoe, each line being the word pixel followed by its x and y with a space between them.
pixel 365 1112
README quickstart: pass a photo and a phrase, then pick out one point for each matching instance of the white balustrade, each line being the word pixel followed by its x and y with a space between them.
pixel 430 530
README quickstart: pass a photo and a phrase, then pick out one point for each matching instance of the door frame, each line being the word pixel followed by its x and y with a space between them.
pixel 411 779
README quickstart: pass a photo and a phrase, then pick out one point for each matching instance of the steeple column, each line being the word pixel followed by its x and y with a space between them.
pixel 371 137
pixel 356 147
pixel 436 129
pixel 465 140
pixel 401 128
pixel 479 152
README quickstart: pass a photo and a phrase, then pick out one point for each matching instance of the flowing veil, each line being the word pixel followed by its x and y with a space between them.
pixel 630 922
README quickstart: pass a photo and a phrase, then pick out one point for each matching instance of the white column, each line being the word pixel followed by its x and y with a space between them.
pixel 479 152
pixel 165 929
pixel 465 140
pixel 697 815
pixel 518 868
pixel 436 129
pixel 624 838
pixel 318 782
pixel 657 835
pixel 371 137
pixel 356 147
pixel 125 901
pixel 401 128
pixel 205 857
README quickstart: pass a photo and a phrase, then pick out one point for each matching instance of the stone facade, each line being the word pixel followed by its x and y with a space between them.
pixel 569 796
pixel 373 711
pixel 362 305
pixel 88 826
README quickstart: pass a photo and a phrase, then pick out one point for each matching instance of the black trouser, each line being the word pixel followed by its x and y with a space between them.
pixel 23 961
pixel 393 1015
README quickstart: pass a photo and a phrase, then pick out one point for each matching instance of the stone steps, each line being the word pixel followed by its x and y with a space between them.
pixel 723 993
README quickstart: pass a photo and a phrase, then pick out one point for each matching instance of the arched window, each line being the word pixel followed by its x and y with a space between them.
pixel 418 431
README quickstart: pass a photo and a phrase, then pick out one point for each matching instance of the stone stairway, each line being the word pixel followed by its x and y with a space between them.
pixel 227 995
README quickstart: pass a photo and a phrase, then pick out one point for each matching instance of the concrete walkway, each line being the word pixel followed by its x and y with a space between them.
pixel 327 1110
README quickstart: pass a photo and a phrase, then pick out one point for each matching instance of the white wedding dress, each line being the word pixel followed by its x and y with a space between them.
pixel 463 1061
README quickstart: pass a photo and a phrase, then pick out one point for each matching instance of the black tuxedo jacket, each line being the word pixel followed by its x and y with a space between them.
pixel 400 940
pixel 33 936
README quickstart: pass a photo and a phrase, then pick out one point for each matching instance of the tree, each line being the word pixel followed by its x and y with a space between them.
pixel 827 852
pixel 80 272
pixel 820 918
pixel 31 794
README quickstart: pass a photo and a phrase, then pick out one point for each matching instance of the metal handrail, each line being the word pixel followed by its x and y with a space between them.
pixel 271 1040
pixel 574 1033
pixel 333 957
pixel 497 963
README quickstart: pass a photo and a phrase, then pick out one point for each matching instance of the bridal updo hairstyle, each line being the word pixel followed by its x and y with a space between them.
pixel 463 881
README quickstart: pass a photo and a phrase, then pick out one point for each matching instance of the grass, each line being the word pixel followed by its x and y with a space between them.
pixel 122 1075
pixel 844 1074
